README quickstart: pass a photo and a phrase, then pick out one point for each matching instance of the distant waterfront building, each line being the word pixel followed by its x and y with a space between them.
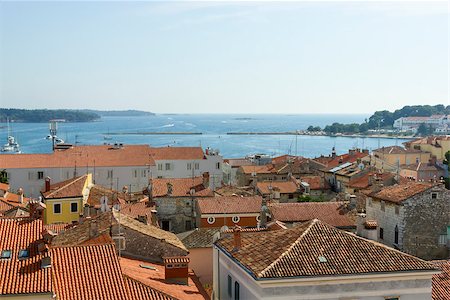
pixel 112 166
pixel 412 123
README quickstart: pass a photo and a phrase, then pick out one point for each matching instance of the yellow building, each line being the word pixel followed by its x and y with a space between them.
pixel 65 200
pixel 436 145
pixel 390 158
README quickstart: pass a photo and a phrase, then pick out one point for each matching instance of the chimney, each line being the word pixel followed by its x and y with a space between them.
pixel 93 228
pixel 47 183
pixel 20 193
pixel 237 238
pixel 206 179
pixel 169 189
pixel 176 269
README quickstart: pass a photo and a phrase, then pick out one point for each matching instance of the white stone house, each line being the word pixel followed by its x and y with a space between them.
pixel 315 261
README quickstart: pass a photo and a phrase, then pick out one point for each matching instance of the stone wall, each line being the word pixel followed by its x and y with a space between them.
pixel 176 210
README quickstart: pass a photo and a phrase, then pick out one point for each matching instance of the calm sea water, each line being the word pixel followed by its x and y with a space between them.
pixel 214 127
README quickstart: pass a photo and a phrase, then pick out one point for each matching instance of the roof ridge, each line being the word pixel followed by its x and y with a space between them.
pixel 66 185
pixel 312 223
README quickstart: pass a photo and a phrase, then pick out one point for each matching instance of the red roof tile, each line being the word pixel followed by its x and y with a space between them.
pixel 174 153
pixel 181 187
pixel 88 272
pixel 401 192
pixel 441 282
pixel 140 291
pixel 4 187
pixel 284 187
pixel 22 276
pixel 333 213
pixel 67 189
pixel 229 205
pixel 298 251
pixel 155 278
pixel 315 182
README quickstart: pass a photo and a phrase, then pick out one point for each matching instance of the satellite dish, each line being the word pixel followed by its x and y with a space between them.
pixel 104 204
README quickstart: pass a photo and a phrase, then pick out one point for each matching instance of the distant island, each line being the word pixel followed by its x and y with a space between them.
pixel 69 115
pixel 384 120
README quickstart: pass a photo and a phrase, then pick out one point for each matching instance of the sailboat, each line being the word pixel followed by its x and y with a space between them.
pixel 11 146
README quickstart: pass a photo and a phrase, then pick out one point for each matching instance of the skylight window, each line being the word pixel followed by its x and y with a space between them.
pixel 6 254
pixel 24 254
pixel 322 259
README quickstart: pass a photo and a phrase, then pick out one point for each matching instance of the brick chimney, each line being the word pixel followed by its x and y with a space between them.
pixel 47 183
pixel 237 238
pixel 206 179
pixel 176 269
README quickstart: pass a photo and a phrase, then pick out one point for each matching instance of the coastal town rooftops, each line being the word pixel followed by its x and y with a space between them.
pixel 264 169
pixel 284 187
pixel 23 276
pixel 181 187
pixel 153 275
pixel 229 205
pixel 98 155
pixel 441 282
pixel 238 162
pixel 401 192
pixel 67 189
pixel 315 182
pixel 422 167
pixel 370 178
pixel 177 153
pixel 396 150
pixel 333 213
pixel 140 291
pixel 88 272
pixel 198 238
pixel 315 249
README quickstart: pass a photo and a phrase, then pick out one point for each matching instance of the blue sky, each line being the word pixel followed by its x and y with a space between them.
pixel 224 57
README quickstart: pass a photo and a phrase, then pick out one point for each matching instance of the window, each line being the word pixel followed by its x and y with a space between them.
pixel 189 166
pixel 433 195
pixel 443 239
pixel 167 166
pixel 143 173
pixel 74 207
pixel 196 166
pixel 396 235
pixel 30 175
pixel 291 196
pixel 188 225
pixel 40 175
pixel 230 286
pixel 165 225
pixel 24 254
pixel 135 173
pixel 397 209
pixel 217 165
pixel 211 220
pixel 381 233
pixel 57 208
pixel 236 219
pixel 236 290
pixel 382 205
pixel 160 167
pixel 110 174
pixel 6 254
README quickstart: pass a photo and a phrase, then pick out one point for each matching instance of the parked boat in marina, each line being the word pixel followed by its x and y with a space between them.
pixel 11 146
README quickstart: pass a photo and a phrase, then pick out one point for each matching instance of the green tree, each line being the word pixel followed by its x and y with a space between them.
pixel 3 176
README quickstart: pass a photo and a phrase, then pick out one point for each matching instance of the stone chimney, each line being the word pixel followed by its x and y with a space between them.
pixel 47 183
pixel 206 179
pixel 237 238
pixel 20 193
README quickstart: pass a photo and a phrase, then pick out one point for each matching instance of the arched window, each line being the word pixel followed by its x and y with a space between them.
pixel 236 290
pixel 236 219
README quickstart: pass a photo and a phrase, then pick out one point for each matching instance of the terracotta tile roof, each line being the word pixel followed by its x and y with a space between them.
pixel 228 190
pixel 57 227
pixel 67 189
pixel 315 182
pixel 174 153
pixel 140 291
pixel 346 158
pixel 396 150
pixel 14 199
pixel 238 162
pixel 401 192
pixel 176 260
pixel 333 213
pixel 23 276
pixel 139 209
pixel 421 167
pixel 96 192
pixel 88 272
pixel 102 239
pixel 264 169
pixel 149 230
pixel 156 280
pixel 198 238
pixel 181 187
pixel 296 252
pixel 98 155
pixel 371 224
pixel 16 212
pixel 4 187
pixel 4 206
pixel 362 181
pixel 284 187
pixel 283 159
pixel 229 205
pixel 441 282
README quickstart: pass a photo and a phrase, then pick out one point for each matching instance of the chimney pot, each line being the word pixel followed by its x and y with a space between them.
pixel 237 238
pixel 47 183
